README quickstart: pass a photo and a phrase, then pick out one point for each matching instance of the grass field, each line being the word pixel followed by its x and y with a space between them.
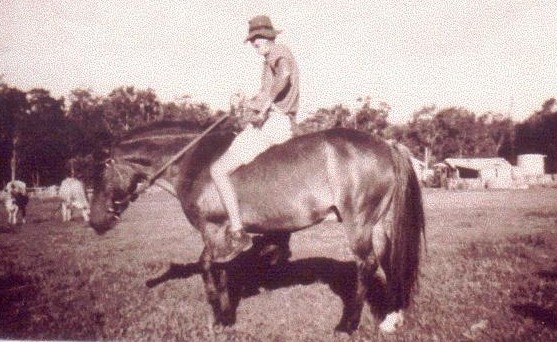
pixel 489 274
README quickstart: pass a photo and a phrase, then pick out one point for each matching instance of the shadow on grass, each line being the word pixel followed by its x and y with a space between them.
pixel 545 314
pixel 542 214
pixel 542 315
pixel 175 271
pixel 15 289
pixel 9 229
pixel 251 272
pixel 548 275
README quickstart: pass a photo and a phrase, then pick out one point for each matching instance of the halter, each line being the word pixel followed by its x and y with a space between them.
pixel 111 163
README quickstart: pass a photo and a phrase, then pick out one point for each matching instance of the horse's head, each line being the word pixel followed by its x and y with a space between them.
pixel 115 183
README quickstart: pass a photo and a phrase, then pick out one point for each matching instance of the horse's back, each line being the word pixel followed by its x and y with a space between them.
pixel 310 157
pixel 298 181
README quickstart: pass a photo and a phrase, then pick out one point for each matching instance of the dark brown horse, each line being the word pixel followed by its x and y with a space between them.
pixel 366 182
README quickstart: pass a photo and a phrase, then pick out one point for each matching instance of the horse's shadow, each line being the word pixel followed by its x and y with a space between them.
pixel 251 272
pixel 9 229
pixel 545 313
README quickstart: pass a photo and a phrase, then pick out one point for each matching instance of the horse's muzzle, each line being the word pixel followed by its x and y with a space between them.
pixel 101 227
pixel 103 218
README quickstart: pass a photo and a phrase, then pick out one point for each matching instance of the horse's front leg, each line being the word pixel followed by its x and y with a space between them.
pixel 216 288
pixel 211 288
pixel 228 312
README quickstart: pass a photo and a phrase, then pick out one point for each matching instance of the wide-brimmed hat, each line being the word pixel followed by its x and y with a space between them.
pixel 261 26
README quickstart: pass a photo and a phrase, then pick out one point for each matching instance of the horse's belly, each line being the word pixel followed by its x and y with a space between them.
pixel 285 213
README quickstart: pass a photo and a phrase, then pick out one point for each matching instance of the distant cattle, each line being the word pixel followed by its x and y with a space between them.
pixel 72 193
pixel 15 201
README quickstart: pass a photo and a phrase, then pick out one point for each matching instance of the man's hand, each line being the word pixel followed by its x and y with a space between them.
pixel 257 119
pixel 238 101
pixel 266 106
pixel 254 111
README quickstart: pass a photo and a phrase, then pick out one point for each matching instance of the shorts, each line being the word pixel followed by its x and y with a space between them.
pixel 252 141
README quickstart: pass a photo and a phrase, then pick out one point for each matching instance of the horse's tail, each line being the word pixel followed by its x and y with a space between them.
pixel 408 227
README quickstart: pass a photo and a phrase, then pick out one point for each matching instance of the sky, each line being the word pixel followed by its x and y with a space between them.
pixel 482 55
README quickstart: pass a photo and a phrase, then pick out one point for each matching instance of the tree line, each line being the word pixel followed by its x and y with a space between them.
pixel 52 138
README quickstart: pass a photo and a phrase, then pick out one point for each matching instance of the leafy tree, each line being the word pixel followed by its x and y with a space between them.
pixel 325 118
pixel 369 119
pixel 420 133
pixel 43 147
pixel 501 130
pixel 126 108
pixel 450 132
pixel 13 109
pixel 187 110
pixel 89 128
pixel 366 118
pixel 538 134
pixel 82 104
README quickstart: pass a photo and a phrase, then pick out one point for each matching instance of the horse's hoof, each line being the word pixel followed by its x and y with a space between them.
pixel 217 328
pixel 391 322
pixel 343 329
pixel 228 319
pixel 341 335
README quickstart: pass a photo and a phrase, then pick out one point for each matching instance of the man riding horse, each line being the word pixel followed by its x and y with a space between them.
pixel 282 185
pixel 275 107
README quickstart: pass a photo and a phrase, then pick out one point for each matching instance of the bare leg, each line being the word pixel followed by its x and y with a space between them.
pixel 227 195
pixel 237 240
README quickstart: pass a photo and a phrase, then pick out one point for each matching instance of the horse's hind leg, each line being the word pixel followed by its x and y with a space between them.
pixel 366 265
pixel 354 304
pixel 274 247
pixel 393 316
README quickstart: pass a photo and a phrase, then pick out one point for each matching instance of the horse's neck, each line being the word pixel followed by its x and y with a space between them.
pixel 154 165
pixel 156 173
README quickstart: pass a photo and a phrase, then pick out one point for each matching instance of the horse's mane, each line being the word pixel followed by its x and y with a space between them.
pixel 160 128
pixel 169 129
pixel 150 144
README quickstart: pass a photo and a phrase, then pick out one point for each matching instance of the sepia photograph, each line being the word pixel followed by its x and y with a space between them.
pixel 188 170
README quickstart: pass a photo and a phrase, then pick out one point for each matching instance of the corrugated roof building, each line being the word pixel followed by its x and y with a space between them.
pixel 492 172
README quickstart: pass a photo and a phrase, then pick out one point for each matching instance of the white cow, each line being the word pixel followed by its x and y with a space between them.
pixel 15 200
pixel 72 193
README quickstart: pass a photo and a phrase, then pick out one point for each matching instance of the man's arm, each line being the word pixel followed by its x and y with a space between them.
pixel 262 102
